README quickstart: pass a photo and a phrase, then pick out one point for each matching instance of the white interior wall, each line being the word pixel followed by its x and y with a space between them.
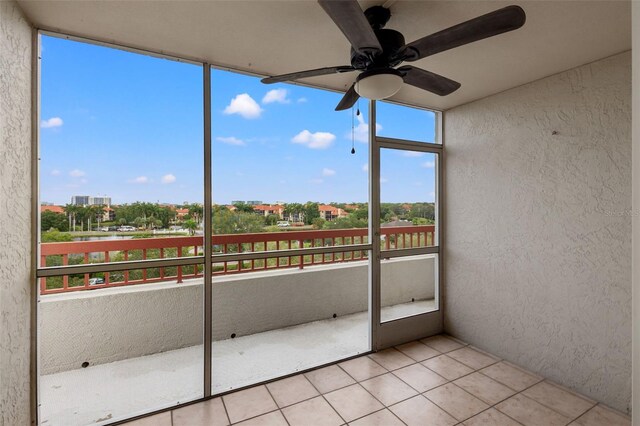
pixel 538 227
pixel 15 213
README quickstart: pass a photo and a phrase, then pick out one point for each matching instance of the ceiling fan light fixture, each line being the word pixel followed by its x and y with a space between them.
pixel 378 83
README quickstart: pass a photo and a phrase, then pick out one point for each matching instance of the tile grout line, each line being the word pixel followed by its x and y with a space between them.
pixel 464 390
pixel 276 402
pixel 553 409
pixel 384 405
pixel 325 399
pixel 583 414
pixel 522 393
pixel 465 375
pixel 226 413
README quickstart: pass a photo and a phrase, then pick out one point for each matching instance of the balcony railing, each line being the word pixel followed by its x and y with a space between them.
pixel 86 252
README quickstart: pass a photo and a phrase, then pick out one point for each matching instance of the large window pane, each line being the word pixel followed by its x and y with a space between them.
pixel 121 179
pixel 403 122
pixel 284 177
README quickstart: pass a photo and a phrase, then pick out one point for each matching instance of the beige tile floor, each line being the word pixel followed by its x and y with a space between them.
pixel 437 381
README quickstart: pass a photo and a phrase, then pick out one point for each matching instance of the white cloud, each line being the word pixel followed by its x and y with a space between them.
pixel 316 181
pixel 302 100
pixel 276 95
pixel 317 140
pixel 169 178
pixel 365 167
pixel 328 172
pixel 76 173
pixel 428 164
pixel 55 172
pixel 412 154
pixel 140 179
pixel 52 122
pixel 231 140
pixel 245 106
pixel 361 131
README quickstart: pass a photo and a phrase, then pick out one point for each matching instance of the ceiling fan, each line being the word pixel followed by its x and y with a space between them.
pixel 376 51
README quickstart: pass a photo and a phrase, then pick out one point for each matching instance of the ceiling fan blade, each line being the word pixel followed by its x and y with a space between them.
pixel 305 74
pixel 428 81
pixel 348 99
pixel 497 22
pixel 348 16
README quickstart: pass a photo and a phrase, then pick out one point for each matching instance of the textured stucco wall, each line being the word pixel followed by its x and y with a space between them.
pixel 635 10
pixel 538 266
pixel 122 323
pixel 15 213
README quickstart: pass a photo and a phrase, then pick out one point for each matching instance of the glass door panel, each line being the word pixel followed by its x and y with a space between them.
pixel 408 286
pixel 409 260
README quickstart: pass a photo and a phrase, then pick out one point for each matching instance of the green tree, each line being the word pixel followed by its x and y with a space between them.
pixel 191 225
pixel 195 211
pixel 271 219
pixel 52 220
pixel 318 223
pixel 311 212
pixel 225 221
pixel 422 210
pixel 291 210
pixel 71 210
pixel 243 208
pixel 361 213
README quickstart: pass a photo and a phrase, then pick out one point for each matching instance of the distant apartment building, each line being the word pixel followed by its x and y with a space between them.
pixel 266 210
pixel 330 213
pixel 109 214
pixel 181 213
pixel 249 203
pixel 88 200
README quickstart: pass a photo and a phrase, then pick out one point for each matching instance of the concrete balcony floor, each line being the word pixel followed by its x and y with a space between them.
pixel 106 393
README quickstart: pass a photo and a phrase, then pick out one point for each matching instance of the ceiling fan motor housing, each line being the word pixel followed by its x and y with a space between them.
pixel 391 41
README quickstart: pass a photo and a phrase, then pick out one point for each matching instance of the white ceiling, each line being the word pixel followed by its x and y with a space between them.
pixel 276 37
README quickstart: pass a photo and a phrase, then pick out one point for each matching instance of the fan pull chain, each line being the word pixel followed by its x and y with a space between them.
pixel 353 148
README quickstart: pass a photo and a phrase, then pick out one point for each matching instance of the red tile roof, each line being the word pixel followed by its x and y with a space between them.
pixel 55 209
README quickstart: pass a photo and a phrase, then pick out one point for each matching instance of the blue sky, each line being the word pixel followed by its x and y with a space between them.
pixel 130 126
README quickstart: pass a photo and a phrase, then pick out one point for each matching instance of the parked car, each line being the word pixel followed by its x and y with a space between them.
pixel 283 224
pixel 112 228
pixel 126 228
pixel 96 281
pixel 104 229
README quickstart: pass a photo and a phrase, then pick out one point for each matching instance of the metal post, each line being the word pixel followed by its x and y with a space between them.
pixel 34 370
pixel 208 267
pixel 374 229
